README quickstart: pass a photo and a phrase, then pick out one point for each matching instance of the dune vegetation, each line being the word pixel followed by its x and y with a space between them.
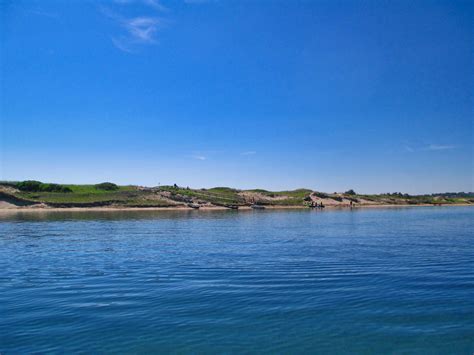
pixel 109 194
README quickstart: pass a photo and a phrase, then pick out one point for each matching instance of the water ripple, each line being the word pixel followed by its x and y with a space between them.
pixel 372 281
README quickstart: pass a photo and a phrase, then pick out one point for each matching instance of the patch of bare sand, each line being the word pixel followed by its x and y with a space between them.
pixel 6 205
pixel 340 201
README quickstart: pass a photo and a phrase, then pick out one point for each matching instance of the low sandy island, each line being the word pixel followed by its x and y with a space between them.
pixel 35 196
pixel 9 209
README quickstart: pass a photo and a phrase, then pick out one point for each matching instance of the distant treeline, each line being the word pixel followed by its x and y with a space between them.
pixel 454 194
pixel 439 194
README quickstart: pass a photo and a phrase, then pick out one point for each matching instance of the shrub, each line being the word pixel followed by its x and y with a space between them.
pixel 107 186
pixel 29 185
pixel 38 186
pixel 350 192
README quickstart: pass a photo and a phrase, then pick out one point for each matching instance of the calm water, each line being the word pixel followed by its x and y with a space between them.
pixel 363 281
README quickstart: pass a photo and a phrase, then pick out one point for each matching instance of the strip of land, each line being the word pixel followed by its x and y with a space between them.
pixel 35 195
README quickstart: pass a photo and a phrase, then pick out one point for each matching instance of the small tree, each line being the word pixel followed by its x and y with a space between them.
pixel 350 192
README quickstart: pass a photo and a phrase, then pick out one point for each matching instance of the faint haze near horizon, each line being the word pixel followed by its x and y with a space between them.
pixel 376 96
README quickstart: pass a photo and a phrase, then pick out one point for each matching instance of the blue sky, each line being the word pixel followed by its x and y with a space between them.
pixel 371 95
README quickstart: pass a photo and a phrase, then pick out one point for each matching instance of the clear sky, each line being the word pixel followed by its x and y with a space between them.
pixel 371 95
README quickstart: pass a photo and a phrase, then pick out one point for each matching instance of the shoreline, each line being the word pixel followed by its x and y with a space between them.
pixel 213 208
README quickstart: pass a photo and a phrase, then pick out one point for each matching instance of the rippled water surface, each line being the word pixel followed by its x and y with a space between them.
pixel 361 281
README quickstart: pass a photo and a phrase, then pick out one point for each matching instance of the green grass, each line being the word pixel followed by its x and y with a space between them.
pixel 82 194
pixel 91 189
pixel 223 190
pixel 125 196
pixel 299 193
pixel 76 197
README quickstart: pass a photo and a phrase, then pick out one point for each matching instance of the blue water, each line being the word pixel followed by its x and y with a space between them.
pixel 340 282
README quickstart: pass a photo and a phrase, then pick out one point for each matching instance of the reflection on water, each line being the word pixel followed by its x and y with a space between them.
pixel 361 281
pixel 141 214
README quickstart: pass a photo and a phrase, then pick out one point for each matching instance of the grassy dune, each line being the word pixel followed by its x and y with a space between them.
pixel 167 196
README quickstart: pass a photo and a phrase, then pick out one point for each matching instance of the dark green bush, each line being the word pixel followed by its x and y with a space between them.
pixel 108 186
pixel 29 185
pixel 38 186
pixel 350 192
